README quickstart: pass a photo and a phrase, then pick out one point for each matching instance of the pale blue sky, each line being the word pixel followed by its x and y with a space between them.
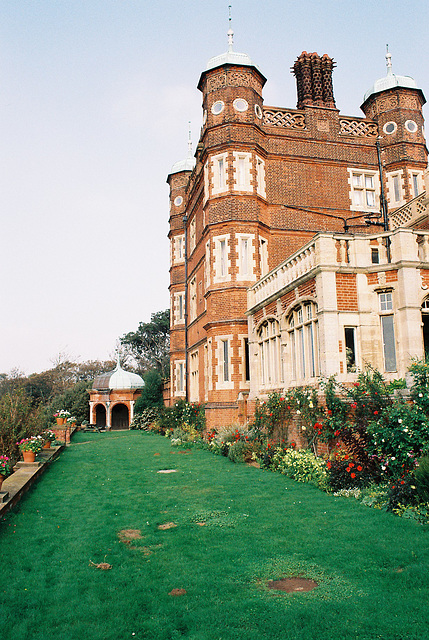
pixel 95 97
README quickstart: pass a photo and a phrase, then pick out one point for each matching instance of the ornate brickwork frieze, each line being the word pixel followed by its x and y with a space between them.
pixel 358 128
pixel 288 119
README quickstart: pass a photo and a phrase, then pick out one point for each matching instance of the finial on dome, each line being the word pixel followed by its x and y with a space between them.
pixel 118 361
pixel 230 31
pixel 388 61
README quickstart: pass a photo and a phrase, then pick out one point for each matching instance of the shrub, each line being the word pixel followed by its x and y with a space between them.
pixel 145 419
pixel 151 395
pixel 402 493
pixel 302 466
pixel 347 474
pixel 18 420
pixel 421 475
pixel 240 451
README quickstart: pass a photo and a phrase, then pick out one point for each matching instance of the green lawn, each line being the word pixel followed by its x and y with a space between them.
pixel 372 567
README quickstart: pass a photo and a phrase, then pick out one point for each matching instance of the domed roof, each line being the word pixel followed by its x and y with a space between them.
pixel 187 164
pixel 230 57
pixel 118 379
pixel 390 81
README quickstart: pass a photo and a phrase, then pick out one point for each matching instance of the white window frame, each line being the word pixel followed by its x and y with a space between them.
pixel 395 189
pixel 416 182
pixel 388 332
pixel 179 307
pixel 260 177
pixel 192 299
pixel 269 340
pixel 180 377
pixel 194 377
pixel 263 255
pixel 219 164
pixel 303 342
pixel 207 266
pixel 246 256
pixel 192 234
pixel 222 260
pixel 242 165
pixel 364 191
pixel 225 369
pixel 179 249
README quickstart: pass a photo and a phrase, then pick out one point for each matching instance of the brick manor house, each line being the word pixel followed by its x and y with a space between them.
pixel 298 237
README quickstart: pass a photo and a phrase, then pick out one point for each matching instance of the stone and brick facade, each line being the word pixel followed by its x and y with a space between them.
pixel 299 188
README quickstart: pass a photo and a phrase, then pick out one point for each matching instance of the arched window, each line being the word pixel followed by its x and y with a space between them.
pixel 269 352
pixel 303 342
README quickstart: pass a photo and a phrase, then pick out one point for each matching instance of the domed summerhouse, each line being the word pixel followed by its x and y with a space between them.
pixel 112 398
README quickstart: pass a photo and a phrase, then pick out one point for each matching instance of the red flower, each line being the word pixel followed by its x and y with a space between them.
pixel 328 464
pixel 271 414
pixel 346 457
pixel 293 444
pixel 402 481
pixel 376 413
pixel 348 469
pixel 352 475
pixel 288 406
pixel 354 405
pixel 337 433
pixel 356 384
pixel 359 468
pixel 351 464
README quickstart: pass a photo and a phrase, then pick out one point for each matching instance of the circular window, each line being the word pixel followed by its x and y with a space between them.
pixel 411 126
pixel 178 201
pixel 390 127
pixel 258 111
pixel 240 104
pixel 217 107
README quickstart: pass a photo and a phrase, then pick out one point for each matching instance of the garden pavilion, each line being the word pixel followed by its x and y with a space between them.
pixel 112 398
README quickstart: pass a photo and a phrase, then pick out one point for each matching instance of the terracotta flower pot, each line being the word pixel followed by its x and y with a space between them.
pixel 47 445
pixel 61 420
pixel 29 456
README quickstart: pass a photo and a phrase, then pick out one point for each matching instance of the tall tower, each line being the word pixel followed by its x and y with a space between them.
pixel 395 104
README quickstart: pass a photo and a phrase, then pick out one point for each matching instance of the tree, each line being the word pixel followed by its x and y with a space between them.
pixel 151 395
pixel 150 344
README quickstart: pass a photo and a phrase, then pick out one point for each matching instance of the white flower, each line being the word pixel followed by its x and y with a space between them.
pixel 420 395
pixel 298 412
pixel 383 467
pixel 405 430
pixel 393 458
pixel 303 429
pixel 400 420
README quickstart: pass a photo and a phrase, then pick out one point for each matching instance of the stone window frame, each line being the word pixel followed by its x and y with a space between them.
pixel 193 298
pixel 194 362
pixel 249 260
pixel 386 311
pixel 192 234
pixel 179 377
pixel 303 347
pixel 260 177
pixel 222 258
pixel 269 339
pixel 179 307
pixel 415 179
pixel 219 165
pixel 179 249
pixel 395 186
pixel 225 368
pixel 263 256
pixel 367 191
pixel 242 165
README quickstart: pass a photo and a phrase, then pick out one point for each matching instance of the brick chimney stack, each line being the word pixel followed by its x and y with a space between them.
pixel 314 80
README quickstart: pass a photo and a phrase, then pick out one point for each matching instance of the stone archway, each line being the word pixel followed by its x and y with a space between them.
pixel 100 415
pixel 120 417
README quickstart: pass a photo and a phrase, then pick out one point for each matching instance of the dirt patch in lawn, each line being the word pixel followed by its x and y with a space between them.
pixel 292 585
pixel 126 535
pixel 166 525
pixel 177 592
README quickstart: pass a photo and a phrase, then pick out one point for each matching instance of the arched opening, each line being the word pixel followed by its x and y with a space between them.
pixel 100 415
pixel 120 417
pixel 425 325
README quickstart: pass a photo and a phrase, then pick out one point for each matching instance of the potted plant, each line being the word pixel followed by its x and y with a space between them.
pixel 30 446
pixel 4 468
pixel 48 437
pixel 61 416
pixel 71 421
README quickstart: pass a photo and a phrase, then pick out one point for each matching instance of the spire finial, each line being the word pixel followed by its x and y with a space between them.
pixel 189 141
pixel 388 61
pixel 230 31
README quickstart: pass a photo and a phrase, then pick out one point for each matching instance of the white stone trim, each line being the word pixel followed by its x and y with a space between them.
pixel 242 165
pixel 222 259
pixel 246 260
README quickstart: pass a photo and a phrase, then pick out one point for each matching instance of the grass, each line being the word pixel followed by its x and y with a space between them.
pixel 372 567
